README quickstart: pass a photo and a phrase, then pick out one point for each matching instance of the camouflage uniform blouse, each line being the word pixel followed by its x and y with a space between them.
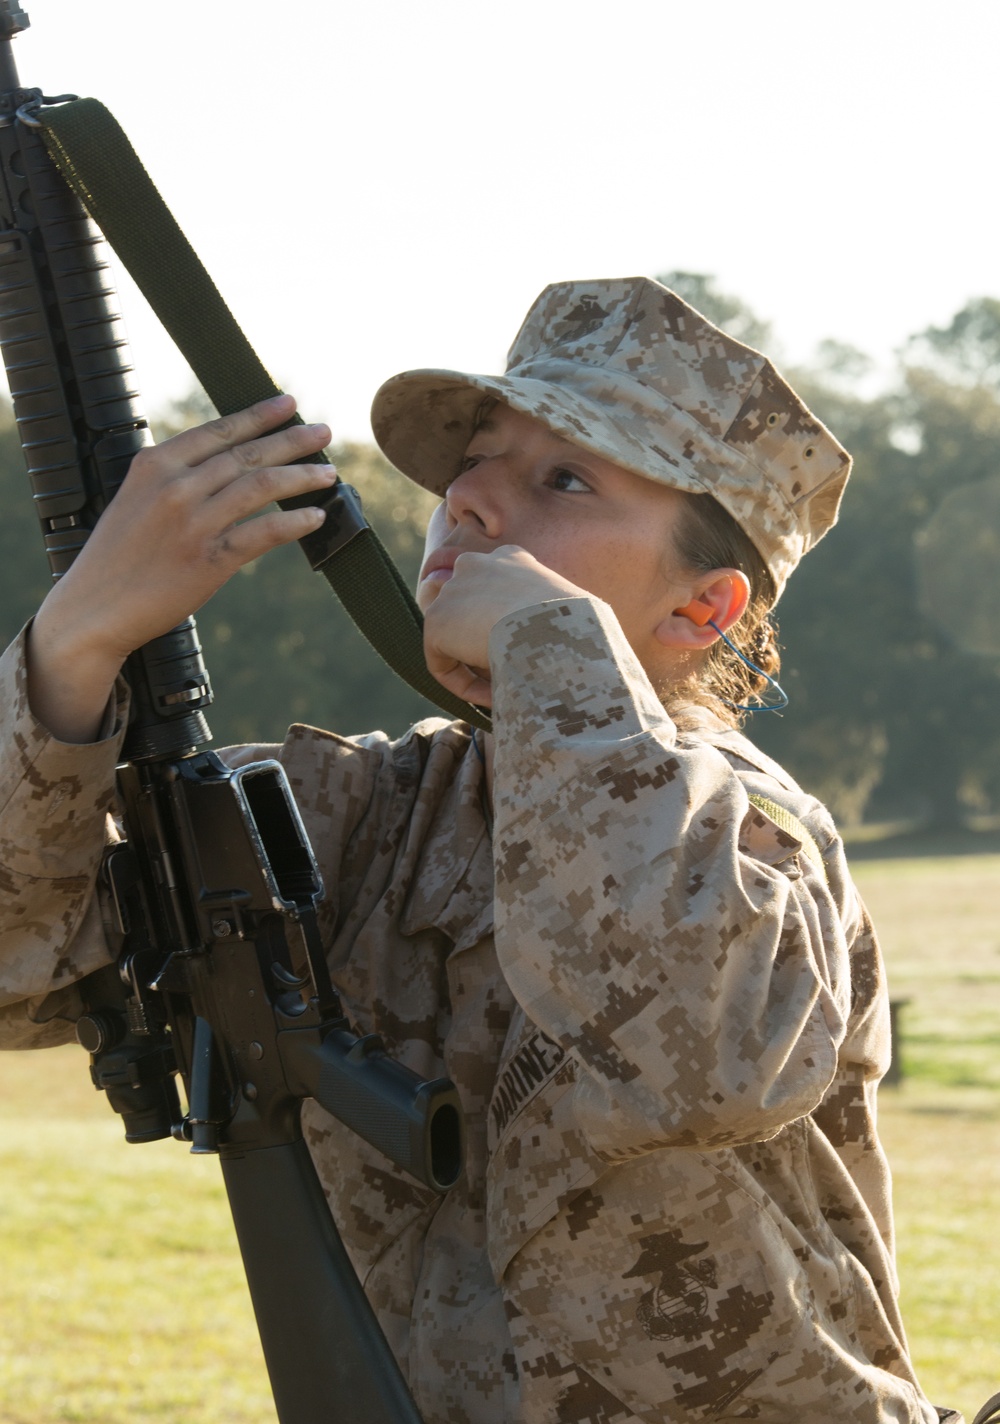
pixel 666 1024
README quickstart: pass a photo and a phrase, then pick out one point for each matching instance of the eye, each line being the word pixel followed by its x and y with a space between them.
pixel 567 482
pixel 469 462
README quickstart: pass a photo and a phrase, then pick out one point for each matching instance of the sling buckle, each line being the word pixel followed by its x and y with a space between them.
pixel 344 520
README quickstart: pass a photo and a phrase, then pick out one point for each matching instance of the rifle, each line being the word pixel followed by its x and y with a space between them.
pixel 221 977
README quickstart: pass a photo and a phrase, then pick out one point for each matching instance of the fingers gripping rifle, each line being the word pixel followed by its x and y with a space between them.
pixel 221 976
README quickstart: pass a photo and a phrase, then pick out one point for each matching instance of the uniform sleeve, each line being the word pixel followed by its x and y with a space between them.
pixel 55 800
pixel 648 917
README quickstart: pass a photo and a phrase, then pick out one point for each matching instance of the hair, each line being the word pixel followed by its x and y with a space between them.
pixel 707 537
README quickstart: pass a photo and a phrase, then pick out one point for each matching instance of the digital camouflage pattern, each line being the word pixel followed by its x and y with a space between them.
pixel 629 370
pixel 666 1026
pixel 54 805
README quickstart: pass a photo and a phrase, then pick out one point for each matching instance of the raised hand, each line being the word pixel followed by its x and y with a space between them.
pixel 187 516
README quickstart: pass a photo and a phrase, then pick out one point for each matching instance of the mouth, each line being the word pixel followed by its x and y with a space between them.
pixel 439 566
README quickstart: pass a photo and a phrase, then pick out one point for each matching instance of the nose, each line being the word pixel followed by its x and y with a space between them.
pixel 474 500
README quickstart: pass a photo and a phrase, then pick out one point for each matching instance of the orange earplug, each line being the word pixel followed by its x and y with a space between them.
pixel 697 611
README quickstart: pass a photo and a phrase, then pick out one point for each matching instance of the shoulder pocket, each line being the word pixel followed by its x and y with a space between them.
pixel 785 821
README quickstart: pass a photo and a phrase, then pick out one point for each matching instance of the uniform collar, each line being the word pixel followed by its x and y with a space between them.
pixel 701 724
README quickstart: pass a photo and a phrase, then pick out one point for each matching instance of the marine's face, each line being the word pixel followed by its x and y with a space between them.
pixel 605 529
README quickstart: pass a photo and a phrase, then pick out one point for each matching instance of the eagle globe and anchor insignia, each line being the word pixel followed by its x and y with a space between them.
pixel 585 318
pixel 678 1304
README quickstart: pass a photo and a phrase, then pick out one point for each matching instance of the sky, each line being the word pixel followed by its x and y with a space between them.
pixel 385 185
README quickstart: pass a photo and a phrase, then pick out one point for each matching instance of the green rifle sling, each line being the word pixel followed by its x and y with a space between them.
pixel 99 163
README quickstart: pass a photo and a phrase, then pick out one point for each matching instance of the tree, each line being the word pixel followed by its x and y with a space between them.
pixel 967 350
pixel 884 681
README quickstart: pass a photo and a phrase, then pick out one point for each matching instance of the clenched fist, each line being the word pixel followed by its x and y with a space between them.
pixel 464 595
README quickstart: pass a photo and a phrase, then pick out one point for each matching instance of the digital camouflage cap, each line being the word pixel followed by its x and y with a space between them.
pixel 627 369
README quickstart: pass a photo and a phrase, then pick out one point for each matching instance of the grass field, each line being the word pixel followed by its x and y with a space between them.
pixel 939 920
pixel 123 1297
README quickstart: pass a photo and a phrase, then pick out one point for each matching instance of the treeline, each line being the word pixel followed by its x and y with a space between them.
pixel 892 652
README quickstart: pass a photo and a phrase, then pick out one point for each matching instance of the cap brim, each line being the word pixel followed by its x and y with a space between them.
pixel 423 422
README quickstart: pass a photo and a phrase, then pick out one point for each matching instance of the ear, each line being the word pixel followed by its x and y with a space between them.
pixel 721 596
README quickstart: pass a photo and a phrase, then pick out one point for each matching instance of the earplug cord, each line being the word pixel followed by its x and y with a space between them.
pixel 776 686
